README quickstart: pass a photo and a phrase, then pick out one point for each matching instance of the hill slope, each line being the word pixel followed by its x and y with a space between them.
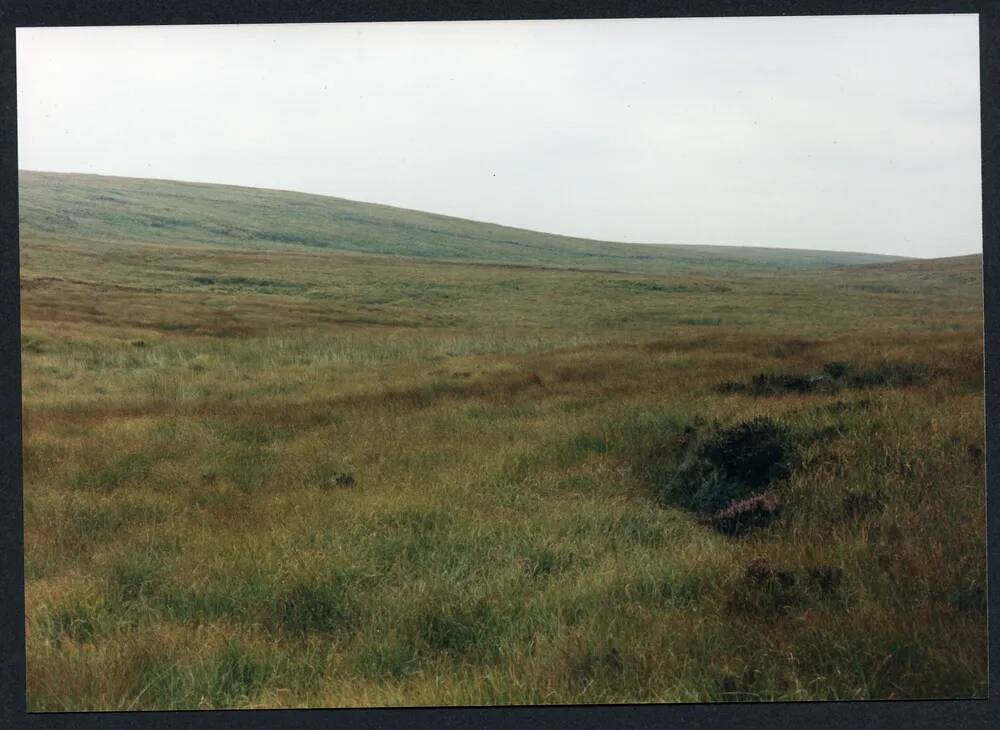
pixel 59 206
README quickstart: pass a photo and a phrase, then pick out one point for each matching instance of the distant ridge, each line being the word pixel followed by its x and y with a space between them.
pixel 969 262
pixel 62 206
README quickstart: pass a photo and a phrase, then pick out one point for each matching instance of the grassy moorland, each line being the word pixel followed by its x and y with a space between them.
pixel 266 472
pixel 101 208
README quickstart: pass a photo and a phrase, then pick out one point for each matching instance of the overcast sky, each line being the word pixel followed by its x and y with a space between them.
pixel 849 133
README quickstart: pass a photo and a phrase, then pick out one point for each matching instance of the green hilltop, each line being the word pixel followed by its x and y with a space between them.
pixel 67 206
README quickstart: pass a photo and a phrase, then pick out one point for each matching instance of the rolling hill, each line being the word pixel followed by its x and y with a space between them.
pixel 65 206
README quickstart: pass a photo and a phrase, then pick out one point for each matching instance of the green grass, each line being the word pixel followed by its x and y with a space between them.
pixel 510 432
pixel 98 208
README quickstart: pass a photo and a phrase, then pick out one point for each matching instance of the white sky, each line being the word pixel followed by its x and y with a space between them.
pixel 847 133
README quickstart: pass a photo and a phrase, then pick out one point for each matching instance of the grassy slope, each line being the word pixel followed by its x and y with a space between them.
pixel 186 410
pixel 97 208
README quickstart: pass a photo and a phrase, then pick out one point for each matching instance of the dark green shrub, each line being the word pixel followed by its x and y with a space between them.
pixel 753 452
pixel 729 465
pixel 707 468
